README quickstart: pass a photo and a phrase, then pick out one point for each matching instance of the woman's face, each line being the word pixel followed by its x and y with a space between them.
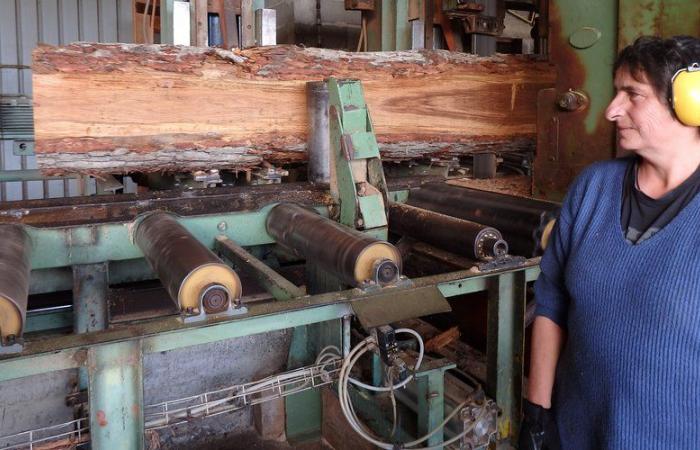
pixel 645 125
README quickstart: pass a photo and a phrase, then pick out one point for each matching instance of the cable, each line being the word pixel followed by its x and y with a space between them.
pixel 349 412
pixel 421 351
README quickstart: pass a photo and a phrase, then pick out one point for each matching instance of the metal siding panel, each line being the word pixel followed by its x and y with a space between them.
pixel 70 29
pixel 29 36
pixel 89 21
pixel 13 191
pixel 35 189
pixel 55 189
pixel 124 25
pixel 48 22
pixel 9 78
pixel 107 20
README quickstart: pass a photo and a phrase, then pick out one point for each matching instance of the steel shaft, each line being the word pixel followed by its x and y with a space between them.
pixel 318 147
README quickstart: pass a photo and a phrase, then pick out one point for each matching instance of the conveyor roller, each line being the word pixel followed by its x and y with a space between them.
pixel 14 282
pixel 192 274
pixel 460 236
pixel 524 222
pixel 355 258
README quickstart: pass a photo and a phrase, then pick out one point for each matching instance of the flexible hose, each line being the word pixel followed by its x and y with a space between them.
pixel 349 412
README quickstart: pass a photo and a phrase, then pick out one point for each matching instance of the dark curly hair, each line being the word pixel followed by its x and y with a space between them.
pixel 655 60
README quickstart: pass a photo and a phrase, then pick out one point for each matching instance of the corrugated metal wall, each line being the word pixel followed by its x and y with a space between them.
pixel 23 24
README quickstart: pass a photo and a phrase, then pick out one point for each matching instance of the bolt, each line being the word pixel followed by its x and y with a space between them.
pixel 222 226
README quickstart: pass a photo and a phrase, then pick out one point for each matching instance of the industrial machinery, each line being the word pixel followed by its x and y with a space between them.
pixel 210 247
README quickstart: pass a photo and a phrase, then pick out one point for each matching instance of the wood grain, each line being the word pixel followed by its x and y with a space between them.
pixel 125 107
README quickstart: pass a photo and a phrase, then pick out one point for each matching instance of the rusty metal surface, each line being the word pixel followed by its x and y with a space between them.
pixel 568 141
pixel 664 18
pixel 125 207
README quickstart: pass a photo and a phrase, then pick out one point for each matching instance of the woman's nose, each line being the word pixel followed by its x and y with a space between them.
pixel 615 109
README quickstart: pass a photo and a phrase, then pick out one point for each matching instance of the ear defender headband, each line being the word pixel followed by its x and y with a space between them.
pixel 685 95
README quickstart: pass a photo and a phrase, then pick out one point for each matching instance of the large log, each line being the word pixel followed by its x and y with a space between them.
pixel 123 107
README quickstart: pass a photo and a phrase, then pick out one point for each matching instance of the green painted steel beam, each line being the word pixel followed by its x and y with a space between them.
pixel 431 398
pixel 245 327
pixel 13 368
pixel 48 320
pixel 168 333
pixel 278 286
pixel 115 396
pixel 505 348
pixel 90 244
pixel 31 175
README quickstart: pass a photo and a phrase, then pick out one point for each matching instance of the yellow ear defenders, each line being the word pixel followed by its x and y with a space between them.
pixel 685 95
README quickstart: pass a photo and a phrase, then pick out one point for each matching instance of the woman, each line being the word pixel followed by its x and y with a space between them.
pixel 618 299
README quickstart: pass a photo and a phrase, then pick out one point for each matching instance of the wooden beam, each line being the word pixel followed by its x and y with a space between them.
pixel 124 107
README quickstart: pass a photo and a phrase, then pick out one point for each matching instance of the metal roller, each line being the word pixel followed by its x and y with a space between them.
pixel 473 240
pixel 192 274
pixel 355 258
pixel 318 137
pixel 524 222
pixel 14 282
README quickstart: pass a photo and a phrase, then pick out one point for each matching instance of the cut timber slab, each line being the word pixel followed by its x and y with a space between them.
pixel 125 107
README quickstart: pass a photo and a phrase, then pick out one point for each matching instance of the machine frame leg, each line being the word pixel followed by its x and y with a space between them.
pixel 116 396
pixel 505 345
pixel 431 398
pixel 89 303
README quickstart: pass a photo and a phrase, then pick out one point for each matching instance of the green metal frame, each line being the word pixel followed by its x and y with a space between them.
pixel 118 352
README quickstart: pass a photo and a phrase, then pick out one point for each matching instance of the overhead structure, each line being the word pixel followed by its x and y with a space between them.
pixel 15 249
pixel 198 282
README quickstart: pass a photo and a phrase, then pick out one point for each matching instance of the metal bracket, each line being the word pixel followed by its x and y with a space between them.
pixel 23 148
pixel 393 305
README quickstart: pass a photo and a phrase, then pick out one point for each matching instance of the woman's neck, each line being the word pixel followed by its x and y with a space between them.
pixel 656 176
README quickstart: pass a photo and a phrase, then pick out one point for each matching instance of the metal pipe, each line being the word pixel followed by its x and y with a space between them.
pixel 318 137
pixel 192 274
pixel 15 246
pixel 473 240
pixel 355 258
pixel 347 321
pixel 524 222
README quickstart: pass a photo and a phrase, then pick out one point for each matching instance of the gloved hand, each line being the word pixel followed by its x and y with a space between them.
pixel 538 430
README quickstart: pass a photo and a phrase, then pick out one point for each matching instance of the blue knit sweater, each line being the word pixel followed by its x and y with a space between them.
pixel 629 373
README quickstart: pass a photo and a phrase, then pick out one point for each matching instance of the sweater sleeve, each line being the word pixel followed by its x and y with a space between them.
pixel 551 295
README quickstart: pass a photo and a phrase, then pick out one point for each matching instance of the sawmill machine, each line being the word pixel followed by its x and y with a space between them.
pixel 326 259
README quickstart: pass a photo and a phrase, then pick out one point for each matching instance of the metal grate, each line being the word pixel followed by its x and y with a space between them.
pixel 16 118
pixel 239 396
pixel 73 433
pixel 181 410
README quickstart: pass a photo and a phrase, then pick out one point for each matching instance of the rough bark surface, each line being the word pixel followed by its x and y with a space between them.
pixel 125 107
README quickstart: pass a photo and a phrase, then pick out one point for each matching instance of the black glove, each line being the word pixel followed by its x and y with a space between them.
pixel 538 430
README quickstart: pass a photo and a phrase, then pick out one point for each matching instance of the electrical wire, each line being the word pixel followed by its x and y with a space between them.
pixel 349 412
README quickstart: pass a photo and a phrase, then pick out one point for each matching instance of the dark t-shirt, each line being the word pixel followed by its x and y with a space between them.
pixel 642 216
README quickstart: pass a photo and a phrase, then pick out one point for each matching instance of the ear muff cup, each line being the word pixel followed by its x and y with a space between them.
pixel 685 95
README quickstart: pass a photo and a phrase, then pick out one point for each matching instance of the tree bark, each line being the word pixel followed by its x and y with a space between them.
pixel 101 108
